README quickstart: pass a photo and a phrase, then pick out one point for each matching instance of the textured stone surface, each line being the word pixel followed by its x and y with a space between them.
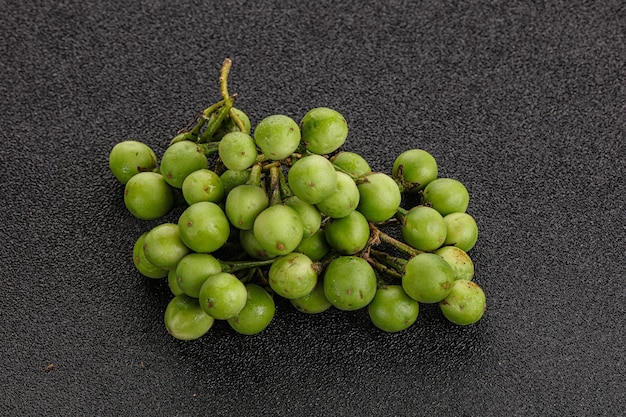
pixel 524 104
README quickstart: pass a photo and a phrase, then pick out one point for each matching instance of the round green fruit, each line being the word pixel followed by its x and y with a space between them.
pixel 392 310
pixel 163 247
pixel 324 130
pixel 459 260
pixel 203 227
pixel 147 196
pixel 181 159
pixel 203 185
pixel 185 320
pixel 427 278
pixel 446 195
pixel 349 283
pixel 223 296
pixel 257 314
pixel 462 231
pixel 415 169
pixel 314 302
pixel 379 197
pixel 278 136
pixel 423 228
pixel 466 303
pixel 141 262
pixel 312 178
pixel 130 157
pixel 293 275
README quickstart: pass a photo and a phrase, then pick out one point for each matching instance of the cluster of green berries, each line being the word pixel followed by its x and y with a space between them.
pixel 282 210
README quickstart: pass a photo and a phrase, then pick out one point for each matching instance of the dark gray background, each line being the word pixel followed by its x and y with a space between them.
pixel 524 102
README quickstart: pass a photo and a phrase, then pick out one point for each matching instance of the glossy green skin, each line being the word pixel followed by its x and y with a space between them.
pixel 231 179
pixel 142 264
pixel 278 229
pixel 427 278
pixel 181 159
pixel 251 245
pixel 324 130
pixel 351 163
pixel 130 157
pixel 185 320
pixel 379 197
pixel 309 214
pixel 147 196
pixel 203 185
pixel 278 136
pixel 315 246
pixel 243 204
pixel 204 227
pixel 419 168
pixel 349 234
pixel 237 151
pixel 163 247
pixel 459 260
pixel 392 310
pixel 466 303
pixel 256 314
pixel 314 302
pixel 423 228
pixel 312 178
pixel 462 231
pixel 193 270
pixel 343 201
pixel 293 275
pixel 446 195
pixel 222 296
pixel 349 283
pixel 172 282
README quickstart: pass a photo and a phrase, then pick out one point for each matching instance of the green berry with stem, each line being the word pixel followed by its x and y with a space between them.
pixel 237 151
pixel 278 229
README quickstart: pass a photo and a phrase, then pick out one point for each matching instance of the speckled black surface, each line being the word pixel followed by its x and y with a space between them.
pixel 523 103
